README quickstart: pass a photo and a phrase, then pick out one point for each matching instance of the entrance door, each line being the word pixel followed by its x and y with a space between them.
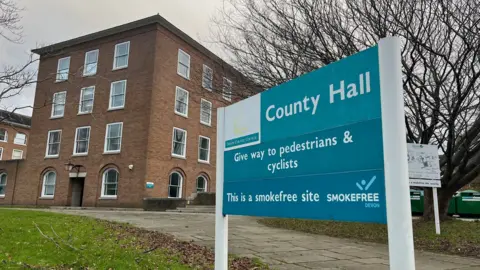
pixel 77 191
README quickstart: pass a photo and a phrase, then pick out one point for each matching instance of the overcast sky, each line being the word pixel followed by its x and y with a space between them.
pixel 50 21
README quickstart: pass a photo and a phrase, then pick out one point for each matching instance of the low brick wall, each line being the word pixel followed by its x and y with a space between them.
pixel 162 204
pixel 207 198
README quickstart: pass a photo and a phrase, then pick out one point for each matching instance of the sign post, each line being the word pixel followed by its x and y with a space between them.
pixel 399 213
pixel 221 220
pixel 328 145
pixel 424 171
pixel 436 212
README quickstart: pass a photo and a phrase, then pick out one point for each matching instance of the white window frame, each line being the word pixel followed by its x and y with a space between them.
pixel 1 153
pixel 102 195
pixel 81 100
pixel 25 141
pixel 173 144
pixel 43 195
pixel 106 138
pixel 17 150
pixel 59 143
pixel 204 85
pixel 186 103
pixel 211 109
pixel 180 186
pixel 4 185
pixel 115 56
pixel 208 157
pixel 53 105
pixel 110 108
pixel 180 51
pixel 6 135
pixel 206 183
pixel 75 141
pixel 85 74
pixel 225 95
pixel 58 69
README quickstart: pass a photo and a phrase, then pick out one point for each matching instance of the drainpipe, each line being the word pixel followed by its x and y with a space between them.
pixel 14 182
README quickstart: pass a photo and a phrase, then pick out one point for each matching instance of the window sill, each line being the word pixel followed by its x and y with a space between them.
pixel 205 124
pixel 56 117
pixel 185 77
pixel 204 162
pixel 111 153
pixel 89 75
pixel 179 157
pixel 115 109
pixel 84 113
pixel 80 155
pixel 46 198
pixel 61 81
pixel 119 68
pixel 2 196
pixel 20 144
pixel 182 115
pixel 3 141
pixel 227 99
pixel 208 89
pixel 49 157
pixel 108 198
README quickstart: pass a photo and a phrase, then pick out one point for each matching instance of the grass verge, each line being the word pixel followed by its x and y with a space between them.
pixel 458 237
pixel 43 240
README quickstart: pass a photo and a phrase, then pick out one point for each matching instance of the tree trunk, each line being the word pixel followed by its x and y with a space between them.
pixel 444 196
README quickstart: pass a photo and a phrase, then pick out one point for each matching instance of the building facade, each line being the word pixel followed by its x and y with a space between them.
pixel 14 133
pixel 130 114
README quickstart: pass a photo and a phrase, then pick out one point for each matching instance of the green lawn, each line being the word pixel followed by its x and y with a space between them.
pixel 42 240
pixel 458 237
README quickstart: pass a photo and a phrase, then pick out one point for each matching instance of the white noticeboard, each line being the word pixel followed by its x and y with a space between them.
pixel 423 165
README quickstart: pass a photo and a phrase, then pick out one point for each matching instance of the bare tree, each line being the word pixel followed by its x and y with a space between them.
pixel 14 78
pixel 272 41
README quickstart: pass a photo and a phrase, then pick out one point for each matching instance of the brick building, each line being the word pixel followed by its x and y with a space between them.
pixel 14 131
pixel 121 115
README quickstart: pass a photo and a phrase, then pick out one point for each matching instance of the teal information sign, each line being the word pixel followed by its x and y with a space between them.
pixel 309 148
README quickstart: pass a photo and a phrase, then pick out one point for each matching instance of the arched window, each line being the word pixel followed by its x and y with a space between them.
pixel 3 184
pixel 3 135
pixel 48 187
pixel 110 183
pixel 201 184
pixel 20 138
pixel 175 185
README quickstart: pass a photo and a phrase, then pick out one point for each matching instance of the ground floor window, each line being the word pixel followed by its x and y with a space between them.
pixel 110 183
pixel 48 188
pixel 3 184
pixel 175 185
pixel 201 184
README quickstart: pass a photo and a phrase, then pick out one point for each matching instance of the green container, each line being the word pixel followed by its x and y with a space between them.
pixel 468 202
pixel 416 200
pixel 452 205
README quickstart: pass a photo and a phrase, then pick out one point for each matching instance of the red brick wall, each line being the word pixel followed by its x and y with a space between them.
pixel 163 119
pixel 148 120
pixel 9 145
pixel 14 169
pixel 135 118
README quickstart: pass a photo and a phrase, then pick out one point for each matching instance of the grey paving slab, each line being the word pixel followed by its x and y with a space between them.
pixel 337 264
pixel 281 249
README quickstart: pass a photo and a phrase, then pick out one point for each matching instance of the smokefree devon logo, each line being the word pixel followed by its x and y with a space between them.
pixel 371 199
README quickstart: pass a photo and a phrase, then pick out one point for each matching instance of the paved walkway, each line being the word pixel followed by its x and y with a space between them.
pixel 281 249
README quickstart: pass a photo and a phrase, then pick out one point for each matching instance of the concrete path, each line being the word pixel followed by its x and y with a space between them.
pixel 281 249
